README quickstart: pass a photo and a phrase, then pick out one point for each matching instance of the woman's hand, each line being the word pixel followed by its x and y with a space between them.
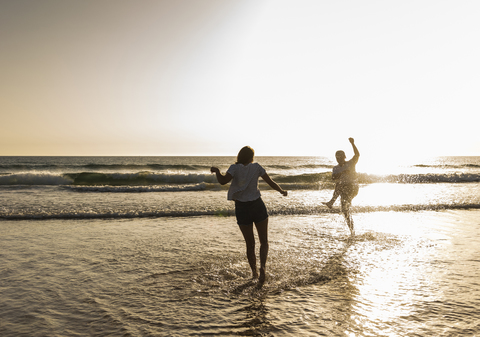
pixel 222 179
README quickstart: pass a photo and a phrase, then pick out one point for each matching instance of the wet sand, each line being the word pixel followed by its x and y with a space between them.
pixel 404 274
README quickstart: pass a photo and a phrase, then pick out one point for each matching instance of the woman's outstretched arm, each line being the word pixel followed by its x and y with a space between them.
pixel 222 179
pixel 273 184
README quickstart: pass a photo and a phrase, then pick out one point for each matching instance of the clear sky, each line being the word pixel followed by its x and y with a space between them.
pixel 206 77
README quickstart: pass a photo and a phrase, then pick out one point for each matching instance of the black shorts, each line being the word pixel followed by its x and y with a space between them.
pixel 348 191
pixel 250 212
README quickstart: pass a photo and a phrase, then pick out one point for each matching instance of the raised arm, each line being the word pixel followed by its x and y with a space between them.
pixel 222 179
pixel 355 150
pixel 273 184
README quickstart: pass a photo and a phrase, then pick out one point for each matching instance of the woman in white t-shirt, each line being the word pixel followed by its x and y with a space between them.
pixel 249 206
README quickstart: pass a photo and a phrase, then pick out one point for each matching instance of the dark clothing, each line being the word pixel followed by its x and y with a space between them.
pixel 250 212
pixel 348 190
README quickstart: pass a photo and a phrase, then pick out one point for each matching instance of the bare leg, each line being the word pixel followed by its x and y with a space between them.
pixel 336 193
pixel 349 219
pixel 346 213
pixel 247 231
pixel 262 229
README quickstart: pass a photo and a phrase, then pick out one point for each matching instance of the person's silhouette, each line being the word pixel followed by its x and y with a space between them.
pixel 249 206
pixel 346 186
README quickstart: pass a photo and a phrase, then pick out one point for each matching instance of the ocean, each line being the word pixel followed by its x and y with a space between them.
pixel 149 246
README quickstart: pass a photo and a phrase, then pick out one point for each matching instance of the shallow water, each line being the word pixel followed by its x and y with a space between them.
pixel 404 274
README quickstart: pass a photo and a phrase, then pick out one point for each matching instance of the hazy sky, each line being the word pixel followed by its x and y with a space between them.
pixel 206 77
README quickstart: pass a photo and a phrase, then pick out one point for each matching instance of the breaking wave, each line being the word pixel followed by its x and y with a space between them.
pixel 292 210
pixel 148 181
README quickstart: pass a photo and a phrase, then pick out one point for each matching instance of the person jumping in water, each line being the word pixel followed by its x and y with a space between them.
pixel 249 206
pixel 346 185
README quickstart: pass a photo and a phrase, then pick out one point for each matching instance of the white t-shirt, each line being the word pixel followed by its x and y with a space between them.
pixel 244 186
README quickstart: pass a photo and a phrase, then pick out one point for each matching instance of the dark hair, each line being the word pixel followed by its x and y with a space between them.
pixel 245 155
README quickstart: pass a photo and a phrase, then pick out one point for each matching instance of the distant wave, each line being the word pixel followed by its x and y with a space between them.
pixel 422 178
pixel 16 168
pixel 142 189
pixel 144 180
pixel 35 179
pixel 139 179
pixel 448 166
pixel 156 167
pixel 100 179
pixel 101 167
pixel 304 166
pixel 298 210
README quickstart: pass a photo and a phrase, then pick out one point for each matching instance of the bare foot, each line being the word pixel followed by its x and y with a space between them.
pixel 328 204
pixel 261 279
pixel 352 230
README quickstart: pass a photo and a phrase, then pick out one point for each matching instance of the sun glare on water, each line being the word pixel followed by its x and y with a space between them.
pixel 387 290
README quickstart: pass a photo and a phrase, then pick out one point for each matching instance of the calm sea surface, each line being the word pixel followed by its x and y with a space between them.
pixel 148 246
